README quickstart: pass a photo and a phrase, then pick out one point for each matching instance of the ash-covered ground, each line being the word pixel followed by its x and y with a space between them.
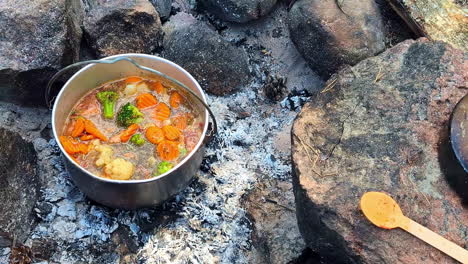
pixel 239 208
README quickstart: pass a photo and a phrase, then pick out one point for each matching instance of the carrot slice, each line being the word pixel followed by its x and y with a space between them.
pixel 171 132
pixel 133 79
pixel 78 128
pixel 180 121
pixel 154 134
pixel 167 150
pixel 126 134
pixel 71 146
pixel 92 129
pixel 162 112
pixel 158 87
pixel 87 137
pixel 175 100
pixel 145 100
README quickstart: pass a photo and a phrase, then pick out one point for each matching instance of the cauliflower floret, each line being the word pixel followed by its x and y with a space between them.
pixel 152 161
pixel 119 169
pixel 105 155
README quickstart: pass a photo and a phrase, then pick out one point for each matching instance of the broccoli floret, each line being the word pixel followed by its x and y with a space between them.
pixel 137 139
pixel 128 115
pixel 107 100
pixel 163 167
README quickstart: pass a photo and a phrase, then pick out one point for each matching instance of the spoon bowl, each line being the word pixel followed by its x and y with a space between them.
pixel 381 210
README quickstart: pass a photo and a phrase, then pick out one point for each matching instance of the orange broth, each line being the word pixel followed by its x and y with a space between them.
pixel 174 135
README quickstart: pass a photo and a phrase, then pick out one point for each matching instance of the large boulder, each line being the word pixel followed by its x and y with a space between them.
pixel 382 126
pixel 122 26
pixel 19 185
pixel 330 33
pixel 220 67
pixel 238 10
pixel 37 39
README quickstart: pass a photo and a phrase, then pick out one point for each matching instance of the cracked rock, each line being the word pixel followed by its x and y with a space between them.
pixel 19 185
pixel 382 126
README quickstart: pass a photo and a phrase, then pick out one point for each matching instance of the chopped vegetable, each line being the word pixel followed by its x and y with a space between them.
pixel 168 150
pixel 152 161
pixel 79 127
pixel 119 169
pixel 162 112
pixel 137 140
pixel 130 89
pixel 107 100
pixel 126 134
pixel 142 87
pixel 105 155
pixel 128 115
pixel 175 100
pixel 72 146
pixel 158 87
pixel 180 122
pixel 87 137
pixel 171 132
pixel 145 100
pixel 90 128
pixel 163 167
pixel 183 151
pixel 154 134
pixel 133 79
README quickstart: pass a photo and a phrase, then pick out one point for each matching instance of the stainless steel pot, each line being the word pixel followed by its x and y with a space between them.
pixel 130 194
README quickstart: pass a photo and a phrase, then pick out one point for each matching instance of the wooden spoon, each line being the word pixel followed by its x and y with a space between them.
pixel 384 212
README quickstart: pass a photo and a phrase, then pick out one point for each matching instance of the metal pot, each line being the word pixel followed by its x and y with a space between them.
pixel 129 194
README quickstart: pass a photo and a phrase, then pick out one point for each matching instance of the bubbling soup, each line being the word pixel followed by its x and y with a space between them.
pixel 131 129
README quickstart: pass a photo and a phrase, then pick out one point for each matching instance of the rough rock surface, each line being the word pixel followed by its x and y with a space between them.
pixel 330 34
pixel 36 39
pixel 382 126
pixel 444 20
pixel 238 10
pixel 220 67
pixel 19 185
pixel 163 7
pixel 122 26
pixel 275 236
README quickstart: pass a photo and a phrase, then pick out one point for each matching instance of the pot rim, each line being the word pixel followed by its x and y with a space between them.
pixel 195 149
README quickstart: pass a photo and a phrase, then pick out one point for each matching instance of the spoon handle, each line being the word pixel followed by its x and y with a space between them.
pixel 437 241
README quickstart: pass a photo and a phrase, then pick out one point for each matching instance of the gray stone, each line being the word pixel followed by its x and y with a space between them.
pixel 121 26
pixel 163 7
pixel 19 185
pixel 275 236
pixel 238 10
pixel 37 38
pixel 382 126
pixel 330 33
pixel 220 67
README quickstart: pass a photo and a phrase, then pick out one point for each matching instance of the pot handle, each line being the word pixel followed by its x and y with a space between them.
pixel 214 126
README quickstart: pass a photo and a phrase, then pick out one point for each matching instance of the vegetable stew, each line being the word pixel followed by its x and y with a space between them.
pixel 131 129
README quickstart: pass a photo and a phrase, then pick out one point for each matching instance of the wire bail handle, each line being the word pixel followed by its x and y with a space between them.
pixel 214 128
